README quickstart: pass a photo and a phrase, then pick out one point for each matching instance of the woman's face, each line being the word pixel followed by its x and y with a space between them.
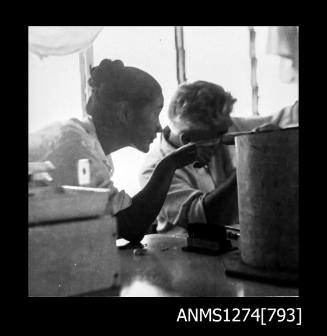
pixel 145 125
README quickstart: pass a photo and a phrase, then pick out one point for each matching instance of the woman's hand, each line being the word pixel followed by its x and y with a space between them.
pixel 189 153
pixel 205 151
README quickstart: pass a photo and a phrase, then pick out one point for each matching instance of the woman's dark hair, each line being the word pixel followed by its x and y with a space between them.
pixel 112 83
pixel 200 103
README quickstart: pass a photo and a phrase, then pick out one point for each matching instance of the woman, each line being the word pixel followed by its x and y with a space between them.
pixel 123 110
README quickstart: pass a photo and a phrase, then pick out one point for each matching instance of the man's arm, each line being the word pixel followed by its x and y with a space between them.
pixel 185 202
pixel 220 205
pixel 286 116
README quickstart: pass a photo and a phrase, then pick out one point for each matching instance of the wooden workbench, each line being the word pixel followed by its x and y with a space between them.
pixel 166 270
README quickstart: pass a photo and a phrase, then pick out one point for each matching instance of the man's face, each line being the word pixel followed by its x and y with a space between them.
pixel 213 132
pixel 197 135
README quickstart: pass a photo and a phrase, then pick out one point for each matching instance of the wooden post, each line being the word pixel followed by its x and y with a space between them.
pixel 254 83
pixel 180 54
pixel 85 63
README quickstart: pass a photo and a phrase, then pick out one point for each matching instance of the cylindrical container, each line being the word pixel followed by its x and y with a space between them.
pixel 267 177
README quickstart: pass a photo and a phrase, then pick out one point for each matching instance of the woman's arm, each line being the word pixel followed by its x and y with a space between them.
pixel 134 221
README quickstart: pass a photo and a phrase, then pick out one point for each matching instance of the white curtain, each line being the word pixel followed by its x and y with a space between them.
pixel 284 42
pixel 61 40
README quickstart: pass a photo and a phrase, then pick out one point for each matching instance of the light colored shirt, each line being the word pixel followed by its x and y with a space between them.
pixel 189 186
pixel 63 144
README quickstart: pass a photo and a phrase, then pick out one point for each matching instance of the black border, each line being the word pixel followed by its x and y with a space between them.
pixel 163 310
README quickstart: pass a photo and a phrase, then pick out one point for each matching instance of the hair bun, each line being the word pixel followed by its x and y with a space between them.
pixel 112 64
pixel 106 72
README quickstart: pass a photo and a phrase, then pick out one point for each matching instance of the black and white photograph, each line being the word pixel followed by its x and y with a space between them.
pixel 163 162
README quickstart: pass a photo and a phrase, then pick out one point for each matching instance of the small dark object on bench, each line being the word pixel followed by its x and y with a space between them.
pixel 207 239
pixel 131 246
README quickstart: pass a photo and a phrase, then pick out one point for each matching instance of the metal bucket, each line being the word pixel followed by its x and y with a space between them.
pixel 267 177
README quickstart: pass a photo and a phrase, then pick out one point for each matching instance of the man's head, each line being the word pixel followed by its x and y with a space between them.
pixel 200 111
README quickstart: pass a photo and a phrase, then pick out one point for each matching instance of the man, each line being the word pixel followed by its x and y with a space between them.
pixel 200 111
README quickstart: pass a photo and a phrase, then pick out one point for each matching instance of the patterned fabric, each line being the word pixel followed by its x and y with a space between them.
pixel 63 144
pixel 184 201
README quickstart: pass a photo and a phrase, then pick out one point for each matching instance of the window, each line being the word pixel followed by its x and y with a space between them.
pixel 54 89
pixel 221 55
pixel 218 54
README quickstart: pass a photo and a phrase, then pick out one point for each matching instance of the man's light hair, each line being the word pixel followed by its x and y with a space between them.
pixel 200 105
